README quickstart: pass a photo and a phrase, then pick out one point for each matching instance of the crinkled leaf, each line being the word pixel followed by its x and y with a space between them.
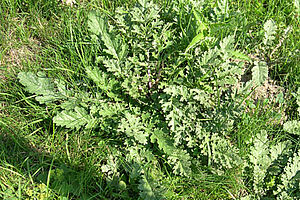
pixel 98 26
pixel 76 118
pixel 227 43
pixel 181 161
pixel 147 192
pixel 292 127
pixel 223 153
pixel 95 23
pixel 133 127
pixel 177 157
pixel 110 43
pixel 98 77
pixel 297 95
pixel 41 86
pixel 36 85
pixel 259 72
pixel 270 30
pixel 260 159
pixel 163 141
pixel 291 177
pixel 113 66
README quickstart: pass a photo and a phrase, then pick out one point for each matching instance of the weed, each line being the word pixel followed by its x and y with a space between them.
pixel 149 100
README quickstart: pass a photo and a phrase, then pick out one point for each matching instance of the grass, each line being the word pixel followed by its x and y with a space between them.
pixel 41 161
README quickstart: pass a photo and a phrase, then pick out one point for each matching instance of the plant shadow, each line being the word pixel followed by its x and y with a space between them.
pixel 64 179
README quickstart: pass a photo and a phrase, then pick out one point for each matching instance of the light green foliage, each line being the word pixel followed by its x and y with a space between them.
pixel 147 192
pixel 290 179
pixel 259 72
pixel 293 126
pixel 73 118
pixel 297 6
pixel 275 169
pixel 298 99
pixel 162 93
pixel 42 86
pixel 172 96
pixel 133 127
pixel 260 159
pixel 178 157
pixel 148 188
pixel 137 30
pixel 270 30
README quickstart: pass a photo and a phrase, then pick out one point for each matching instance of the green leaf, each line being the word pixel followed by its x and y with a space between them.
pixel 95 23
pixel 179 158
pixel 297 6
pixel 292 127
pixel 290 179
pixel 113 66
pixel 223 153
pixel 36 85
pixel 297 95
pixel 41 86
pixel 227 43
pixel 164 142
pixel 201 25
pixel 237 54
pixel 270 30
pixel 97 76
pixel 98 26
pixel 259 72
pixel 181 161
pixel 146 191
pixel 76 118
pixel 260 158
pixel 133 127
pixel 195 40
pixel 172 120
pixel 111 45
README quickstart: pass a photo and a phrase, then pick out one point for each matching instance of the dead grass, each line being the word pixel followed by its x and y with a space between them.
pixel 14 58
pixel 16 51
pixel 265 98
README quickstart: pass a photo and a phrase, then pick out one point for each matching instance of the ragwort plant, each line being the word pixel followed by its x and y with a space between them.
pixel 163 90
pixel 275 167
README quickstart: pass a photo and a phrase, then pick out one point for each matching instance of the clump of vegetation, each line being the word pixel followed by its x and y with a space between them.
pixel 161 101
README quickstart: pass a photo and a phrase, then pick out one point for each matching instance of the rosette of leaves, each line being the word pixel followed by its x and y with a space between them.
pixel 154 98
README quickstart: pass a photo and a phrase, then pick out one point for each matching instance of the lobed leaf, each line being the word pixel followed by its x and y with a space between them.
pixel 41 86
pixel 74 119
pixel 292 127
pixel 270 30
pixel 259 72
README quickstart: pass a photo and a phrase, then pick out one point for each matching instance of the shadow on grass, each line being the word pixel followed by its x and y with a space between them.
pixel 38 167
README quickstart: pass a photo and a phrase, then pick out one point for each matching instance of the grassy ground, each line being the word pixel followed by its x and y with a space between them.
pixel 41 161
